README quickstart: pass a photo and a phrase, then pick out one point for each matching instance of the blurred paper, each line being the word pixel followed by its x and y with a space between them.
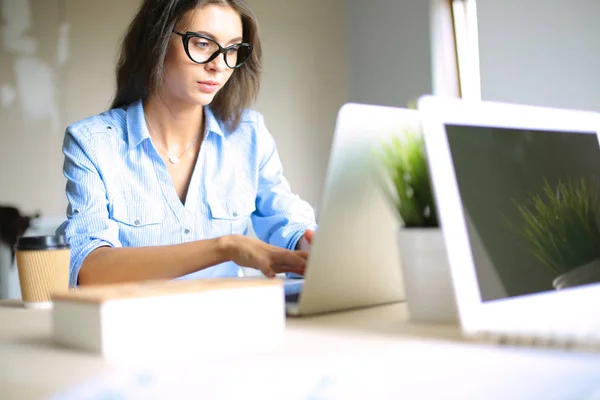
pixel 407 370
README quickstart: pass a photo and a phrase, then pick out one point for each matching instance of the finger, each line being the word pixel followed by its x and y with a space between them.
pixel 269 273
pixel 309 235
pixel 289 258
pixel 284 268
pixel 264 266
pixel 303 254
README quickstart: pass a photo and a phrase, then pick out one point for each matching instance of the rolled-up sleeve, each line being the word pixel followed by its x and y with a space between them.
pixel 88 225
pixel 281 216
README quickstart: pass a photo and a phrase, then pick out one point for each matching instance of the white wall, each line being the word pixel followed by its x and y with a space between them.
pixel 56 66
pixel 305 83
pixel 541 52
pixel 389 56
pixel 30 117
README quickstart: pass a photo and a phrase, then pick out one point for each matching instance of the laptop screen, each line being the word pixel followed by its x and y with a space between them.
pixel 532 204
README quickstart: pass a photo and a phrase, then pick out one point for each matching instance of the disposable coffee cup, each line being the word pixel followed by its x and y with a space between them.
pixel 43 266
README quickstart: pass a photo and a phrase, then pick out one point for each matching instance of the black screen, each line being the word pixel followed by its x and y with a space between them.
pixel 532 204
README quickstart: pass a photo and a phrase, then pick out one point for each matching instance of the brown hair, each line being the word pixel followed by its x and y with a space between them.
pixel 141 64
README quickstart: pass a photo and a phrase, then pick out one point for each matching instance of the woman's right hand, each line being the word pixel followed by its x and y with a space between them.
pixel 270 260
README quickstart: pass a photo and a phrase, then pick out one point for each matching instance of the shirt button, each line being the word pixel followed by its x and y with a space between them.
pixel 235 214
pixel 186 231
pixel 137 222
pixel 75 211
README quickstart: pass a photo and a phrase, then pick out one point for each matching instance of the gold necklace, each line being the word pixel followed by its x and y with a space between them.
pixel 173 159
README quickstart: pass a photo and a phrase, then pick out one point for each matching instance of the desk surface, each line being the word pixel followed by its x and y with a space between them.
pixel 32 368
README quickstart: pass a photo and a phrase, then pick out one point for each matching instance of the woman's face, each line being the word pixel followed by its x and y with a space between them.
pixel 187 81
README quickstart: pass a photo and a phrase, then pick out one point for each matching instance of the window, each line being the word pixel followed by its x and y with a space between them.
pixel 464 15
pixel 455 49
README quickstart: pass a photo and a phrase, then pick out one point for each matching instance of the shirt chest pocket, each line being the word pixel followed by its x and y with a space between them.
pixel 231 215
pixel 139 222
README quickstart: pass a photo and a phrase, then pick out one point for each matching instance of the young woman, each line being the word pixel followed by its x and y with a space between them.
pixel 164 184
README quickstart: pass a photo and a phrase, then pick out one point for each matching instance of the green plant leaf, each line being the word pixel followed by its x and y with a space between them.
pixel 406 172
pixel 560 225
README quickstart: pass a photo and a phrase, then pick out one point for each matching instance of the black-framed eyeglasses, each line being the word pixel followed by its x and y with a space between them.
pixel 201 50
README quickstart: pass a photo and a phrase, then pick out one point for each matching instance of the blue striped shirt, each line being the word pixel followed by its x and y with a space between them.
pixel 120 192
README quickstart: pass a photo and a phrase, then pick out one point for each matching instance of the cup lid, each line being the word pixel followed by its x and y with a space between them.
pixel 49 242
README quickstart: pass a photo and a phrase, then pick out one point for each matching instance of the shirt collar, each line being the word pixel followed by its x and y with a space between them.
pixel 211 122
pixel 137 129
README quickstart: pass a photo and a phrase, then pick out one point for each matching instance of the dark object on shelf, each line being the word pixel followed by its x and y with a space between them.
pixel 12 225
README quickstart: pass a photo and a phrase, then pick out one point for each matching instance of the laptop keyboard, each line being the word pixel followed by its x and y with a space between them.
pixel 292 289
pixel 292 297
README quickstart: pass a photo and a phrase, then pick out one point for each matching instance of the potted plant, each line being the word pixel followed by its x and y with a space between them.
pixel 561 229
pixel 427 280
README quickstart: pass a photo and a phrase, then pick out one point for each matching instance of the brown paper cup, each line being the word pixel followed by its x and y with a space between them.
pixel 43 266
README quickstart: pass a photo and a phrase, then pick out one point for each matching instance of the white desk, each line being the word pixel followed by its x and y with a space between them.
pixel 428 361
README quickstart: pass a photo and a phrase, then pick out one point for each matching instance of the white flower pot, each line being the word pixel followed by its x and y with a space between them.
pixel 427 281
pixel 588 273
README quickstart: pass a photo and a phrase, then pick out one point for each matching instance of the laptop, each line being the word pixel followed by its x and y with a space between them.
pixel 354 260
pixel 518 196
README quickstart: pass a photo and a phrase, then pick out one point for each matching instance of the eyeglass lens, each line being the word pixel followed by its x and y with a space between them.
pixel 201 49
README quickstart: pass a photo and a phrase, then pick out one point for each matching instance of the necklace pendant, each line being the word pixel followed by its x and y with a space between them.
pixel 173 159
